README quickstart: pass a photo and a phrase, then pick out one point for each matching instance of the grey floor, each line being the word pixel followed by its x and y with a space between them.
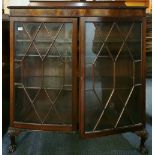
pixel 50 143
pixel 149 97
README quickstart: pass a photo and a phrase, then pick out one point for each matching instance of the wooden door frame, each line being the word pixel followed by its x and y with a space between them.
pixel 48 127
pixel 82 110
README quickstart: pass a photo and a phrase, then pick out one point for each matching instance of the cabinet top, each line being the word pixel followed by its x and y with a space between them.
pixel 74 4
pixel 77 9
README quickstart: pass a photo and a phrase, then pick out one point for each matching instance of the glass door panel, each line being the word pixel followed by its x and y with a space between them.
pixel 43 72
pixel 112 75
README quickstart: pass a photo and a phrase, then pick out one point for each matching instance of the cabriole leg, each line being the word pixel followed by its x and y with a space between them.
pixel 12 133
pixel 143 137
pixel 12 146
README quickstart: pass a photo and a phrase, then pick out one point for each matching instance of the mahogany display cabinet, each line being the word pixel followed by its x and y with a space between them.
pixel 77 66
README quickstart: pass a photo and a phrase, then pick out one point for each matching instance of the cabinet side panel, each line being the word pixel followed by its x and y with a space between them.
pixel 11 72
pixel 143 37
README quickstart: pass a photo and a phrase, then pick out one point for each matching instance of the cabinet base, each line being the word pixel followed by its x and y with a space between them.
pixel 13 132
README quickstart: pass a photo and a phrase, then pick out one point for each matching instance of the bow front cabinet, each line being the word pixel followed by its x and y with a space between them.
pixel 77 66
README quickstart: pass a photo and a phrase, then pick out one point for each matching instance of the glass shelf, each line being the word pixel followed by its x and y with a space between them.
pixel 89 42
pixel 65 87
pixel 48 41
pixel 112 41
pixel 33 55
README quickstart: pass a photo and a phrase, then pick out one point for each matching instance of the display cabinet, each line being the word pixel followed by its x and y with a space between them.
pixel 77 66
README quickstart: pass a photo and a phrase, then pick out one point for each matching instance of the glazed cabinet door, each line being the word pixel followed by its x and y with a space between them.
pixel 111 75
pixel 43 88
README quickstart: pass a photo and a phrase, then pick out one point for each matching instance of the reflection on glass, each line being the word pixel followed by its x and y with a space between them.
pixel 112 74
pixel 43 73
